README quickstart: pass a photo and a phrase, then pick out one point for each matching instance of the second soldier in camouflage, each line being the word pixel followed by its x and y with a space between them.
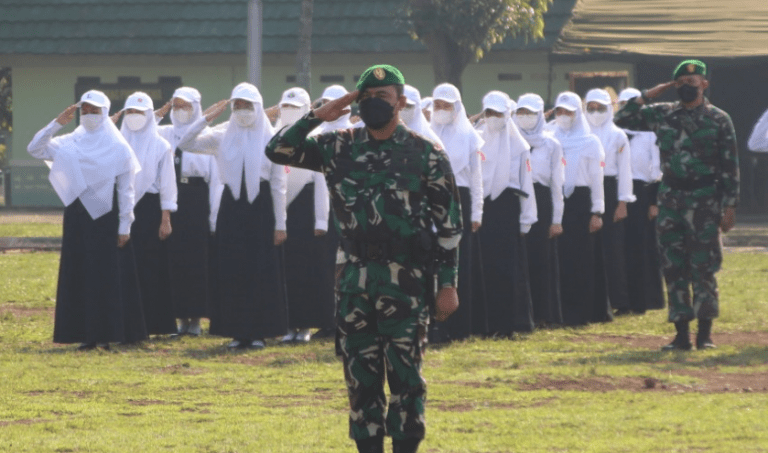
pixel 389 187
pixel 697 195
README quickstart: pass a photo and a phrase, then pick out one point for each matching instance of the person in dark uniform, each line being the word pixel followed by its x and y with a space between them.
pixel 389 187
pixel 697 197
pixel 93 173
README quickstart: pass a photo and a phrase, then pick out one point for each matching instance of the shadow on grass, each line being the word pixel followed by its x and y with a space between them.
pixel 748 356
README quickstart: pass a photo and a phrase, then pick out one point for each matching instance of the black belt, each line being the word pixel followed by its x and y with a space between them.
pixel 193 181
pixel 689 185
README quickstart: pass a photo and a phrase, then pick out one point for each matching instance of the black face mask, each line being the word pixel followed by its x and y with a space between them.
pixel 688 93
pixel 376 113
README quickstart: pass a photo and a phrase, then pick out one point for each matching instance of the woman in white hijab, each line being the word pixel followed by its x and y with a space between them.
pixel 252 221
pixel 413 117
pixel 644 278
pixel 332 93
pixel 462 144
pixel 155 200
pixel 582 276
pixel 509 211
pixel 548 175
pixel 93 172
pixel 617 185
pixel 310 255
pixel 190 250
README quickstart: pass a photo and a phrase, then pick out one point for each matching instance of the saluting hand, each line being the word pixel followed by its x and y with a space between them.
pixel 116 117
pixel 273 113
pixel 67 115
pixel 162 111
pixel 213 112
pixel 656 91
pixel 333 110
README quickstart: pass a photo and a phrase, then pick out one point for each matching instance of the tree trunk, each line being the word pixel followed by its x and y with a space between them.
pixel 304 52
pixel 448 60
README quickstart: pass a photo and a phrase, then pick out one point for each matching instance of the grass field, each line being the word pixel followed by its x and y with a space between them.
pixel 603 388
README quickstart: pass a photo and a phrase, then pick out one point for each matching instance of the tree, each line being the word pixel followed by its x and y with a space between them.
pixel 458 32
pixel 6 112
pixel 304 52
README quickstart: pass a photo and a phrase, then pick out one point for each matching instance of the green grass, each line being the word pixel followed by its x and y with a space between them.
pixel 30 230
pixel 565 390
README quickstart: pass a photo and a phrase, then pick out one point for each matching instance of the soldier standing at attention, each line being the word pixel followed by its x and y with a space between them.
pixel 388 187
pixel 697 197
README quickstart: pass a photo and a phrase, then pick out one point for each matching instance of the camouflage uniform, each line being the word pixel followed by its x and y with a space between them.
pixel 391 192
pixel 701 178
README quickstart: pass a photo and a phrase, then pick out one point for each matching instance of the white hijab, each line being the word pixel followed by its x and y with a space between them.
pixel 242 148
pixel 534 103
pixel 296 178
pixel 147 143
pixel 332 93
pixel 609 134
pixel 419 123
pixel 90 159
pixel 192 96
pixel 458 136
pixel 502 148
pixel 578 141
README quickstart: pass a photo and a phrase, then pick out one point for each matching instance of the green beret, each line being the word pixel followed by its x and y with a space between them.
pixel 689 67
pixel 380 75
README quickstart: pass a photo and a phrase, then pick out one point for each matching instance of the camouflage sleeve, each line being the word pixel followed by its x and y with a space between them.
pixel 443 196
pixel 729 161
pixel 291 146
pixel 636 117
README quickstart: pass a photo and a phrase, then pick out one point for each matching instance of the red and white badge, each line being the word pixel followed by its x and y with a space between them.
pixel 482 156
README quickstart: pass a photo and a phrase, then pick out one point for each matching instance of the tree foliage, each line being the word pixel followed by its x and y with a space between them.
pixel 458 32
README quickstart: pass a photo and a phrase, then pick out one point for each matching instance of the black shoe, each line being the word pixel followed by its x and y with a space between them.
pixel 704 335
pixel 682 341
pixel 405 446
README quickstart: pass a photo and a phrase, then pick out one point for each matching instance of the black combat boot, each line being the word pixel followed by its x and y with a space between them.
pixel 704 335
pixel 405 446
pixel 371 445
pixel 682 341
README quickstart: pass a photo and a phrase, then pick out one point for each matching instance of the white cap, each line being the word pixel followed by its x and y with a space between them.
pixel 446 92
pixel 246 92
pixel 497 101
pixel 139 101
pixel 95 98
pixel 629 93
pixel 531 101
pixel 412 95
pixel 188 94
pixel 295 96
pixel 334 92
pixel 569 101
pixel 598 95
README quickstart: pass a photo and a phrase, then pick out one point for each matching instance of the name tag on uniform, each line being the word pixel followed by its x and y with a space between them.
pixel 184 180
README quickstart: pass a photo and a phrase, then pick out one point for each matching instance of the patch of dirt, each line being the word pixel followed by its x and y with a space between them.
pixel 466 406
pixel 653 342
pixel 22 312
pixel 24 422
pixel 710 381
pixel 150 402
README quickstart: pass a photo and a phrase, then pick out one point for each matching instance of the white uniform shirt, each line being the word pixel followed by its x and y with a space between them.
pixel 646 165
pixel 548 170
pixel 758 140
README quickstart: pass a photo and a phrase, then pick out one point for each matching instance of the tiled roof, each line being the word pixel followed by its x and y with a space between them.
pixel 148 27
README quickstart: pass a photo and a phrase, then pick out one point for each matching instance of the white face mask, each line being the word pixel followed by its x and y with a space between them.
pixel 91 121
pixel 597 118
pixel 181 116
pixel 135 121
pixel 565 122
pixel 442 116
pixel 288 116
pixel 527 122
pixel 495 123
pixel 407 114
pixel 243 117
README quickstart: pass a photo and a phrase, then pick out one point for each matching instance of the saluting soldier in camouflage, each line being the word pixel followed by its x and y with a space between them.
pixel 389 187
pixel 697 196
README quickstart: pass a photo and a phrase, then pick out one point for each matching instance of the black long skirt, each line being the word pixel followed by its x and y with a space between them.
pixel 98 298
pixel 543 265
pixel 152 266
pixel 309 266
pixel 580 270
pixel 188 251
pixel 613 244
pixel 251 301
pixel 461 324
pixel 505 266
pixel 643 272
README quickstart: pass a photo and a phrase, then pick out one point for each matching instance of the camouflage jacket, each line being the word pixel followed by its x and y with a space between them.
pixel 375 198
pixel 693 143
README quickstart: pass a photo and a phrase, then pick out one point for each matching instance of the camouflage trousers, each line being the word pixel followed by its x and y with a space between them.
pixel 382 318
pixel 688 230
